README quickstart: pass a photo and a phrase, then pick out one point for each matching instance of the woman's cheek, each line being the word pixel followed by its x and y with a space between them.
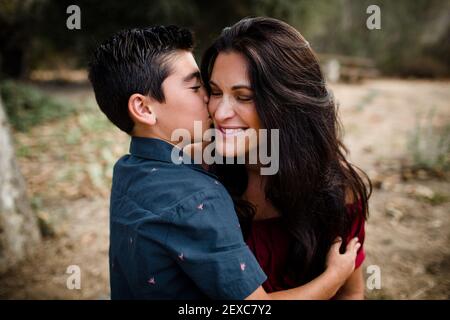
pixel 211 107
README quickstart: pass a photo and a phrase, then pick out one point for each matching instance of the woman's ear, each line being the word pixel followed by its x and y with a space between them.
pixel 140 109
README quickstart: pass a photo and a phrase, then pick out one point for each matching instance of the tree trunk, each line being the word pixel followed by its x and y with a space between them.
pixel 19 231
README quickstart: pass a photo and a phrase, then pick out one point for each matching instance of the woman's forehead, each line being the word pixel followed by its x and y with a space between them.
pixel 230 69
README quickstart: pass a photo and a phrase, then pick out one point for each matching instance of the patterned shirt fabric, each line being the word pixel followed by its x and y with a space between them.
pixel 174 233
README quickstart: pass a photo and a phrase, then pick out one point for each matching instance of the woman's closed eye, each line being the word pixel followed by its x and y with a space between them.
pixel 216 93
pixel 245 98
pixel 242 98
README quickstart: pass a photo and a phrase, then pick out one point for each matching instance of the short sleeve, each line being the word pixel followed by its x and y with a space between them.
pixel 206 240
pixel 357 230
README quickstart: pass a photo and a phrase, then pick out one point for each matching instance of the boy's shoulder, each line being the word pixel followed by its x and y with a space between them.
pixel 157 184
pixel 151 172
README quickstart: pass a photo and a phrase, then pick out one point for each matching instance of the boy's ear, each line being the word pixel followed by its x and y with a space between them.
pixel 141 110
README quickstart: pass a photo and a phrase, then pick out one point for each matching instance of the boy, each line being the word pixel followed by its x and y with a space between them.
pixel 174 233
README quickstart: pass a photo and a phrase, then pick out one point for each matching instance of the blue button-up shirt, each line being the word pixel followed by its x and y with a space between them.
pixel 174 233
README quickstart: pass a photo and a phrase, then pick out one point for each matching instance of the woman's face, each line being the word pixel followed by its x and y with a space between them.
pixel 232 106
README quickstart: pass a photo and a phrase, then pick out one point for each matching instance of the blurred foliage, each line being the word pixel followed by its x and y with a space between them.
pixel 413 39
pixel 27 106
pixel 17 42
pixel 429 145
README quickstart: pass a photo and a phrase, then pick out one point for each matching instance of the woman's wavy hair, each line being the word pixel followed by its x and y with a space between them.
pixel 314 178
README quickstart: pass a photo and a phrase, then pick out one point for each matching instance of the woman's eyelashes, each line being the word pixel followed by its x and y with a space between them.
pixel 245 98
pixel 216 93
pixel 242 98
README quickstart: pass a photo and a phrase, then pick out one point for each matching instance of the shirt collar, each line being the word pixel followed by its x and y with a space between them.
pixel 160 150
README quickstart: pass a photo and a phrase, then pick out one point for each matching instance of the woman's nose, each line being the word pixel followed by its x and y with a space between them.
pixel 224 111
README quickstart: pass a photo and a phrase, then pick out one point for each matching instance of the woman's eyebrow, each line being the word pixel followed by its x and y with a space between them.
pixel 241 86
pixel 213 83
pixel 235 87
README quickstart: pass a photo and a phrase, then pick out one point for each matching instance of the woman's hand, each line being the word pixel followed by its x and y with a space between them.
pixel 339 267
pixel 342 265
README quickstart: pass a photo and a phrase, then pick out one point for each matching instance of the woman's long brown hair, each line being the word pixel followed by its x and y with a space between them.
pixel 314 175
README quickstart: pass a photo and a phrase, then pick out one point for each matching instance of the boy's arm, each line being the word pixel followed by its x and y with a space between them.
pixel 325 286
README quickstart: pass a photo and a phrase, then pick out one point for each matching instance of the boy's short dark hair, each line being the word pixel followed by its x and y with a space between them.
pixel 134 61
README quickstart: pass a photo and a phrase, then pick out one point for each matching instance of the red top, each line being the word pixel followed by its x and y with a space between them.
pixel 269 242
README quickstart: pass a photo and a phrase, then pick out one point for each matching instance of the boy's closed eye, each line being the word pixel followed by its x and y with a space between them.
pixel 196 87
pixel 193 81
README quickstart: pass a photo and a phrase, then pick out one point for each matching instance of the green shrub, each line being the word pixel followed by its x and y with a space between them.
pixel 429 146
pixel 27 106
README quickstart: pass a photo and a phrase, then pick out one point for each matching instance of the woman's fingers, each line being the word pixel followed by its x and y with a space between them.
pixel 353 245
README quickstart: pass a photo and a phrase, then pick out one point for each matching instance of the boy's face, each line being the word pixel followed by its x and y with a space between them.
pixel 185 98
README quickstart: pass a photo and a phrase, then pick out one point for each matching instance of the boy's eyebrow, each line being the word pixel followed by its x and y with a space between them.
pixel 193 75
pixel 235 87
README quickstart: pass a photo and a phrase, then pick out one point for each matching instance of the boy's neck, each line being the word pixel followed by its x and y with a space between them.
pixel 140 133
pixel 189 149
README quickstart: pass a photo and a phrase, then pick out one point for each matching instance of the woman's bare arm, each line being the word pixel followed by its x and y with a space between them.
pixel 325 286
pixel 353 288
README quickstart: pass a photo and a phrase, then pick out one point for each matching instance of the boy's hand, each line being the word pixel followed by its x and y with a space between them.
pixel 342 265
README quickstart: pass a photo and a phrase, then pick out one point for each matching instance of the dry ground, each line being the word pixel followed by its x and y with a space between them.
pixel 67 165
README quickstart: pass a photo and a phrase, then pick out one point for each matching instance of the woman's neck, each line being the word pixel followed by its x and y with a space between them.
pixel 255 194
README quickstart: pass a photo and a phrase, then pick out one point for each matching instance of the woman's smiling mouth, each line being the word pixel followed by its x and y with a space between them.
pixel 231 131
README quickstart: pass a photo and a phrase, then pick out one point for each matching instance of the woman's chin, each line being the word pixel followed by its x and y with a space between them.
pixel 230 150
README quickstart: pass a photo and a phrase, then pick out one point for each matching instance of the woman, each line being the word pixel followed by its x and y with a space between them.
pixel 262 74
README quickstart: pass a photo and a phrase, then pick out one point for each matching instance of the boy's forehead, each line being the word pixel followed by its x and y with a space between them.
pixel 184 64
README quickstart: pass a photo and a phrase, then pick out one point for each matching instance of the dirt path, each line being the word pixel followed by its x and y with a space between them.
pixel 67 165
pixel 408 235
